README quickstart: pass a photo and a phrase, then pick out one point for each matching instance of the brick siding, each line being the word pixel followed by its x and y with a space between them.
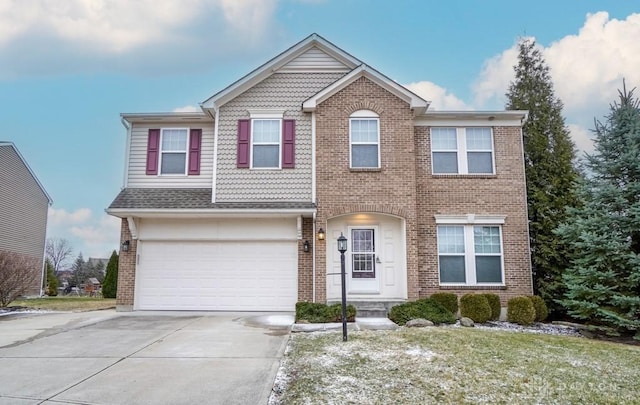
pixel 126 270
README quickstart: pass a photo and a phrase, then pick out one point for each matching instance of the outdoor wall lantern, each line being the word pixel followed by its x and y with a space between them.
pixel 342 247
pixel 125 245
pixel 305 246
pixel 321 234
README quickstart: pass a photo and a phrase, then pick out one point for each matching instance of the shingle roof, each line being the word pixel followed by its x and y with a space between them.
pixel 190 198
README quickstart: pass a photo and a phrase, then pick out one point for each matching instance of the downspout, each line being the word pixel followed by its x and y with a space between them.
pixel 127 149
pixel 526 205
pixel 216 119
pixel 313 261
pixel 44 252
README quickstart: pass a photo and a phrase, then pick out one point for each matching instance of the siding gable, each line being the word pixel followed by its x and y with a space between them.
pixel 314 60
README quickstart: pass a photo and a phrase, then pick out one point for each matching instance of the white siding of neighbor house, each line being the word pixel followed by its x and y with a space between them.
pixel 314 60
pixel 137 177
pixel 284 91
pixel 23 208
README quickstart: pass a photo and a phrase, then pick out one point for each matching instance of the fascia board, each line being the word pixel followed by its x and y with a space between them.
pixel 207 212
pixel 267 69
pixel 137 118
pixel 415 102
pixel 491 118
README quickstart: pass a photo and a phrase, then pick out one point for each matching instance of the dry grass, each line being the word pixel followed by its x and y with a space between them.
pixel 66 303
pixel 456 366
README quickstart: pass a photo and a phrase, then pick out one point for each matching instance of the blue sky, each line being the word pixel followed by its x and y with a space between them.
pixel 68 69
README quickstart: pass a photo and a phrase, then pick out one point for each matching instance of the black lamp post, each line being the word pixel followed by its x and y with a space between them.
pixel 342 247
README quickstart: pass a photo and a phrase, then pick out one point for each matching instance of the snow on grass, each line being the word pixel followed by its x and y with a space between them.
pixel 454 365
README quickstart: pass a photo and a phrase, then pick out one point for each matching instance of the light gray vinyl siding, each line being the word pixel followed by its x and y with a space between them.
pixel 137 172
pixel 314 60
pixel 23 208
pixel 284 91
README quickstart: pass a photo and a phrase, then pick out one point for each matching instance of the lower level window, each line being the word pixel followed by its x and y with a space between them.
pixel 470 254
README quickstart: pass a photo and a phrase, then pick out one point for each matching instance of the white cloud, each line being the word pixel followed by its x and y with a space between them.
pixel 587 70
pixel 62 217
pixel 70 36
pixel 440 98
pixel 582 137
pixel 187 108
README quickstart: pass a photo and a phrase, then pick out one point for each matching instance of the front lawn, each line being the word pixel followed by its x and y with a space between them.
pixel 455 365
pixel 66 303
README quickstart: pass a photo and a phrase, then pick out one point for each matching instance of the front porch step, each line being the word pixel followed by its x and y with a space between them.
pixel 371 309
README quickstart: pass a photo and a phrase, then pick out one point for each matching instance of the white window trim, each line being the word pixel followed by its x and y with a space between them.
pixel 364 115
pixel 461 151
pixel 470 254
pixel 186 153
pixel 267 117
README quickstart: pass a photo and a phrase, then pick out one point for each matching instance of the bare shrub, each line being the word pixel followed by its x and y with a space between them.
pixel 18 274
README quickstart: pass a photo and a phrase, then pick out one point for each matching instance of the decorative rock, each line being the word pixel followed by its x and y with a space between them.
pixel 418 323
pixel 466 322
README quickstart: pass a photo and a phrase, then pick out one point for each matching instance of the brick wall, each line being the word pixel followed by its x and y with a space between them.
pixel 305 262
pixel 126 270
pixel 388 190
pixel 501 194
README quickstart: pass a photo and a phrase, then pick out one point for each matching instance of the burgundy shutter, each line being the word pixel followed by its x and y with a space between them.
pixel 153 151
pixel 288 144
pixel 244 129
pixel 195 139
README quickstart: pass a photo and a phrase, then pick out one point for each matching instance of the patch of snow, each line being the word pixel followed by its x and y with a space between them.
pixel 275 320
pixel 419 352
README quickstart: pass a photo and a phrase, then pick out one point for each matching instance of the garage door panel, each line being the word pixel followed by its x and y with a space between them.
pixel 251 276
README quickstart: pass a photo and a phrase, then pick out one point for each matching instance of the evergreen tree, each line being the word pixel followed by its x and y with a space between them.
pixel 549 166
pixel 79 268
pixel 52 280
pixel 110 284
pixel 603 285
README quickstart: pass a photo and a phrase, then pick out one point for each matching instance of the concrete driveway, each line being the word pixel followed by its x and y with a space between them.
pixel 106 357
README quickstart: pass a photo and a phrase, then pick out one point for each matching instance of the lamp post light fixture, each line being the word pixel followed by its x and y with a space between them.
pixel 321 234
pixel 125 245
pixel 342 247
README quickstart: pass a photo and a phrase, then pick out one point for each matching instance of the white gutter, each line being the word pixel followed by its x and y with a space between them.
pixel 204 212
pixel 214 178
pixel 127 148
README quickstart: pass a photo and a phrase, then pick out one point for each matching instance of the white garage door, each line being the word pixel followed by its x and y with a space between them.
pixel 225 276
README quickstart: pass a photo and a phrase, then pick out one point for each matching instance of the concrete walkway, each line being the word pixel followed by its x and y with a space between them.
pixel 104 357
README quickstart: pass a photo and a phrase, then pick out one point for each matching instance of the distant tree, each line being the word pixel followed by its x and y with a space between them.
pixel 110 284
pixel 18 273
pixel 603 283
pixel 551 176
pixel 52 280
pixel 59 251
pixel 79 269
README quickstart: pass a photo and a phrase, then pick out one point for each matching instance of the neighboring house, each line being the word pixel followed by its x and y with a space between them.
pixel 24 206
pixel 238 206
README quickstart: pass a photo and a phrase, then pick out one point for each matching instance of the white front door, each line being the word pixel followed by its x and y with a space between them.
pixel 362 259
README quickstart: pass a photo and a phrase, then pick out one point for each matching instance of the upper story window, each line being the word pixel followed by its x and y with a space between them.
pixel 462 151
pixel 266 136
pixel 364 136
pixel 173 151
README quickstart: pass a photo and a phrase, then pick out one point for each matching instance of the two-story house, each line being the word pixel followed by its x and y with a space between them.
pixel 24 207
pixel 239 206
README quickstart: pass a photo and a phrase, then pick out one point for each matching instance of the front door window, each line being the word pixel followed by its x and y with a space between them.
pixel 363 253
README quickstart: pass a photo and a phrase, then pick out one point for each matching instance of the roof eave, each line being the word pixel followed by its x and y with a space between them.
pixel 208 212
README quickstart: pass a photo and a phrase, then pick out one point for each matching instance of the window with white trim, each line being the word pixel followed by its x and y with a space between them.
pixel 174 144
pixel 462 150
pixel 470 254
pixel 265 139
pixel 364 139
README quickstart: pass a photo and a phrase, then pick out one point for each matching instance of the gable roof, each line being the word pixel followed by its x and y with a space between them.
pixel 270 67
pixel 416 103
pixel 11 145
